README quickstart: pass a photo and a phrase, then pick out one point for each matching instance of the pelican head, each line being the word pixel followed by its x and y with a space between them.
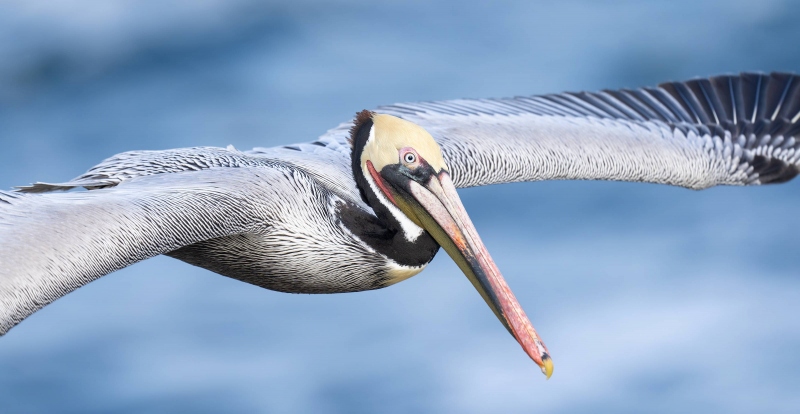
pixel 403 166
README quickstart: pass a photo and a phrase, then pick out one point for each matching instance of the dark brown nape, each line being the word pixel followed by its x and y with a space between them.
pixel 361 118
pixel 359 134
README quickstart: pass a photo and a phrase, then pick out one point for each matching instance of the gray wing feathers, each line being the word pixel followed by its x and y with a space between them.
pixel 739 129
pixel 548 148
pixel 50 244
pixel 325 160
pixel 131 164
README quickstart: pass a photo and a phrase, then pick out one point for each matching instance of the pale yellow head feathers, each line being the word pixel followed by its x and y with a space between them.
pixel 389 134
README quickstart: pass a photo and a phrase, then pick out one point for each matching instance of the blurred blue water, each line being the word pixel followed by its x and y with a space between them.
pixel 651 299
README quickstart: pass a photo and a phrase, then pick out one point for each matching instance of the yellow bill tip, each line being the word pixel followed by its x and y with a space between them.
pixel 547 366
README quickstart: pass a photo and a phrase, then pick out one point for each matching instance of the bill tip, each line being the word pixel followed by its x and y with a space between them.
pixel 547 366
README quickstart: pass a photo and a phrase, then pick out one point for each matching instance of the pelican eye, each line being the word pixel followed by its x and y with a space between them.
pixel 409 158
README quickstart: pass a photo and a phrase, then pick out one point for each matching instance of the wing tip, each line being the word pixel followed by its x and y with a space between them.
pixel 773 170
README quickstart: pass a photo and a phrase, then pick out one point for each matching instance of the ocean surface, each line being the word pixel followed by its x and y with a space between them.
pixel 651 299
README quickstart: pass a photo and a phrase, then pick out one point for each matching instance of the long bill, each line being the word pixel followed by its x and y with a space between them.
pixel 438 209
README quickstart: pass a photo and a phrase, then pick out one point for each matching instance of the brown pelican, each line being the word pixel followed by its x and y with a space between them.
pixel 369 203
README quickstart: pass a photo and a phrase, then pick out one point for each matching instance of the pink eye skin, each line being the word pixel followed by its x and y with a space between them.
pixel 409 157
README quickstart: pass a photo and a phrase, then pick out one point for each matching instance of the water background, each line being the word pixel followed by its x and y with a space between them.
pixel 651 299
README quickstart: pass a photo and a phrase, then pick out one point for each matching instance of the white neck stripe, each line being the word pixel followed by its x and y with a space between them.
pixel 410 229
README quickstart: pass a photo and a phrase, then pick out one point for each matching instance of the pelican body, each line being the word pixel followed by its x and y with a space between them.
pixel 370 203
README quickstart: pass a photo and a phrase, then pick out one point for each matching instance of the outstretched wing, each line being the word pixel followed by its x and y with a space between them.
pixel 734 130
pixel 51 244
